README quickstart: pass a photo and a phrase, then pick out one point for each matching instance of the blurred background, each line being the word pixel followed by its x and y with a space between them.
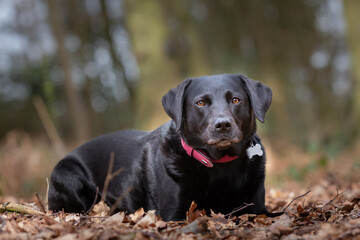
pixel 72 70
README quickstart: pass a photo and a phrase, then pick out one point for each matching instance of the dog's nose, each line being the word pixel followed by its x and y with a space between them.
pixel 222 124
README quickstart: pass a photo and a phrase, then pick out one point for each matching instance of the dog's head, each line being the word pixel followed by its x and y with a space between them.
pixel 214 113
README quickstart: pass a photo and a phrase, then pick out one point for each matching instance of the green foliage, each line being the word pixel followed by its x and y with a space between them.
pixel 20 114
pixel 312 147
pixel 39 82
pixel 295 173
pixel 356 164
pixel 28 188
pixel 300 173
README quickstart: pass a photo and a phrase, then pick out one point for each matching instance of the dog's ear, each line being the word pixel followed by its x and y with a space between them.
pixel 173 102
pixel 260 96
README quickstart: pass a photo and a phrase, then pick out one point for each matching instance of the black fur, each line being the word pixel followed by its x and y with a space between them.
pixel 161 174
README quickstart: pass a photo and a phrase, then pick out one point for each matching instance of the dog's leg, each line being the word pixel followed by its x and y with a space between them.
pixel 70 188
pixel 259 201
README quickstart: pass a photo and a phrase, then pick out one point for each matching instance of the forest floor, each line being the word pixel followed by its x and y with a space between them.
pixel 331 210
pixel 324 212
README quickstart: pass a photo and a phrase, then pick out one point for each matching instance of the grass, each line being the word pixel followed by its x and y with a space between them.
pixel 25 163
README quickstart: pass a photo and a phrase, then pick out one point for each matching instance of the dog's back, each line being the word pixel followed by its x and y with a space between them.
pixel 75 178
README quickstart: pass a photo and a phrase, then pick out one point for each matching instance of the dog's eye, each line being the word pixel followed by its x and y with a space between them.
pixel 236 100
pixel 200 103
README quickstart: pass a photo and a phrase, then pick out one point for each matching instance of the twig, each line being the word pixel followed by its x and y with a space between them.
pixel 303 195
pixel 47 194
pixel 110 176
pixel 117 172
pixel 41 205
pixel 333 199
pixel 49 126
pixel 245 205
pixel 176 222
pixel 14 207
pixel 120 198
pixel 92 206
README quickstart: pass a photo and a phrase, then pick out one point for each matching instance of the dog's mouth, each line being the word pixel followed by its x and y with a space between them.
pixel 223 143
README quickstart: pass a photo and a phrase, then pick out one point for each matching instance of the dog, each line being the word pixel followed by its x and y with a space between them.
pixel 208 152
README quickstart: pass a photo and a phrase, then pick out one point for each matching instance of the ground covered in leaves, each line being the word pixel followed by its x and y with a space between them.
pixel 326 212
pixel 329 211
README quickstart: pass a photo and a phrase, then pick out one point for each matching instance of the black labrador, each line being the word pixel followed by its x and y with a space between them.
pixel 208 153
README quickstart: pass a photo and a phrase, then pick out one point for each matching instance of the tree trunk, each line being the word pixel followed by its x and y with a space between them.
pixel 77 112
pixel 157 73
pixel 114 55
pixel 163 61
pixel 352 9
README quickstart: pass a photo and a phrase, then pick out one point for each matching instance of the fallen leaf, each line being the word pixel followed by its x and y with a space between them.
pixel 281 225
pixel 260 221
pixel 307 229
pixel 161 225
pixel 101 209
pixel 339 219
pixel 44 234
pixel 284 230
pixel 28 226
pixel 219 222
pixel 299 209
pixel 333 218
pixel 12 227
pixel 348 207
pixel 49 220
pixel 86 234
pixel 193 214
pixel 197 226
pixel 216 215
pixel 147 221
pixel 137 215
pixel 69 236
pixel 193 206
pixel 275 230
pixel 72 218
pixel 115 220
pixel 356 200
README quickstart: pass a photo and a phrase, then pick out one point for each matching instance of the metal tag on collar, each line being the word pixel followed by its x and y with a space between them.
pixel 204 159
pixel 254 150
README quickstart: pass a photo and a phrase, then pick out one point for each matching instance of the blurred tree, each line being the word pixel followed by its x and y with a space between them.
pixel 117 62
pixel 161 43
pixel 102 70
pixel 352 9
pixel 295 47
pixel 77 112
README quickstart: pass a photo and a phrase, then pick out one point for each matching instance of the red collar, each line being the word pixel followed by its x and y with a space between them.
pixel 203 158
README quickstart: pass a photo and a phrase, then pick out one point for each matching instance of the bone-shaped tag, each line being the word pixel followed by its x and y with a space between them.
pixel 254 150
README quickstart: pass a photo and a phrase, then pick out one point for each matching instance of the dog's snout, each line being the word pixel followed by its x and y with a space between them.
pixel 222 124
